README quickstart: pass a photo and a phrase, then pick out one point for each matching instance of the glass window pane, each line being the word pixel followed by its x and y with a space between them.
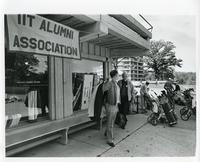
pixel 86 74
pixel 26 80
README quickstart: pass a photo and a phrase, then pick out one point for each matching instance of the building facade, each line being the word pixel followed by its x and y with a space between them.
pixel 133 66
pixel 53 63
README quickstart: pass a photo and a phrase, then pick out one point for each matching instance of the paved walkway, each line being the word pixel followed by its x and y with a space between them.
pixel 139 139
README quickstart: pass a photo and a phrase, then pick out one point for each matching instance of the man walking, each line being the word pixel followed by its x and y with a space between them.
pixel 112 100
pixel 143 95
pixel 126 94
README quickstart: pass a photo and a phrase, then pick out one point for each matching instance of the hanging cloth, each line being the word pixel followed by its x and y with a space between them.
pixel 32 105
pixel 15 120
pixel 99 102
pixel 91 103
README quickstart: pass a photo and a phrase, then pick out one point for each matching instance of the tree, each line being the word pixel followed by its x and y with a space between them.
pixel 162 59
pixel 188 78
pixel 20 67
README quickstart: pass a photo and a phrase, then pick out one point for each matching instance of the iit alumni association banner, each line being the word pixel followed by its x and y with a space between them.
pixel 35 34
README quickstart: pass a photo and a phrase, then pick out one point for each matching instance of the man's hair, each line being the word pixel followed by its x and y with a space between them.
pixel 113 73
pixel 124 73
pixel 147 83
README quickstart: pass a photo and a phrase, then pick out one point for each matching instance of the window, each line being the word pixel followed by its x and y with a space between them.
pixel 26 88
pixel 126 62
pixel 86 75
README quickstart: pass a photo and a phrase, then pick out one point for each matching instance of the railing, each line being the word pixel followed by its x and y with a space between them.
pixel 142 20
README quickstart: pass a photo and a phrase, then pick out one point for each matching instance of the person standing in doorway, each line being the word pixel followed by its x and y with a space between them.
pixel 112 100
pixel 143 95
pixel 126 94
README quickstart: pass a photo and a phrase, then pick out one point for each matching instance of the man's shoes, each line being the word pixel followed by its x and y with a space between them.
pixel 111 144
pixel 123 127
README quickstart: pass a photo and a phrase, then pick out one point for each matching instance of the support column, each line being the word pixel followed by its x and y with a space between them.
pixel 104 71
pixel 107 68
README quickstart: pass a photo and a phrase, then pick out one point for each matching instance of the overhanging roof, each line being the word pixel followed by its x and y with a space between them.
pixel 113 33
pixel 133 24
pixel 73 21
pixel 111 41
pixel 106 31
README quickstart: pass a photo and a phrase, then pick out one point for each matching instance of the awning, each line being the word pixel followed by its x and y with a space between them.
pixel 132 23
pixel 107 31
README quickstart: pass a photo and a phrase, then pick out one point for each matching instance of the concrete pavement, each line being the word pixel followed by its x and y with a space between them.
pixel 139 139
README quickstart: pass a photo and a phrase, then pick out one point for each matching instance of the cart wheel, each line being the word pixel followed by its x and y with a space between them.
pixel 183 110
pixel 189 113
pixel 154 122
pixel 185 116
pixel 150 118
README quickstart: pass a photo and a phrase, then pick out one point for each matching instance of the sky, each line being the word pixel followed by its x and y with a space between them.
pixel 181 30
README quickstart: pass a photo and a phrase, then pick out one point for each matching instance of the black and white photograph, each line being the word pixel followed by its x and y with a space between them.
pixel 78 84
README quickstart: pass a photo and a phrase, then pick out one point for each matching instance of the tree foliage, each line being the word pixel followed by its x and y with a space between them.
pixel 162 59
pixel 22 67
pixel 186 77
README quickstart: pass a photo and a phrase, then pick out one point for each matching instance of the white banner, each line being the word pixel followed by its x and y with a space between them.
pixel 35 34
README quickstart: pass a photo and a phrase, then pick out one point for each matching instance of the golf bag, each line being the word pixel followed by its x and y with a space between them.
pixel 121 120
pixel 149 102
pixel 190 104
pixel 169 113
pixel 168 110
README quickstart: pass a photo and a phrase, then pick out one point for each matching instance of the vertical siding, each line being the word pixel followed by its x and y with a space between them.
pixel 60 78
pixel 58 88
pixel 107 52
pixel 67 88
pixel 85 48
pixel 103 51
pixel 51 89
pixel 97 50
pixel 91 49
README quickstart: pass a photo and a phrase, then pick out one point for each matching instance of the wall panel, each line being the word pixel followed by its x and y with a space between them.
pixel 52 112
pixel 58 88
pixel 67 88
pixel 85 48
pixel 91 49
pixel 97 50
pixel 103 51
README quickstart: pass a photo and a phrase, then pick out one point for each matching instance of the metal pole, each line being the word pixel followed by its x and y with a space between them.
pixel 137 105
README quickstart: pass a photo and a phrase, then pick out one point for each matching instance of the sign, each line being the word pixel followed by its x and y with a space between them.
pixel 35 34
